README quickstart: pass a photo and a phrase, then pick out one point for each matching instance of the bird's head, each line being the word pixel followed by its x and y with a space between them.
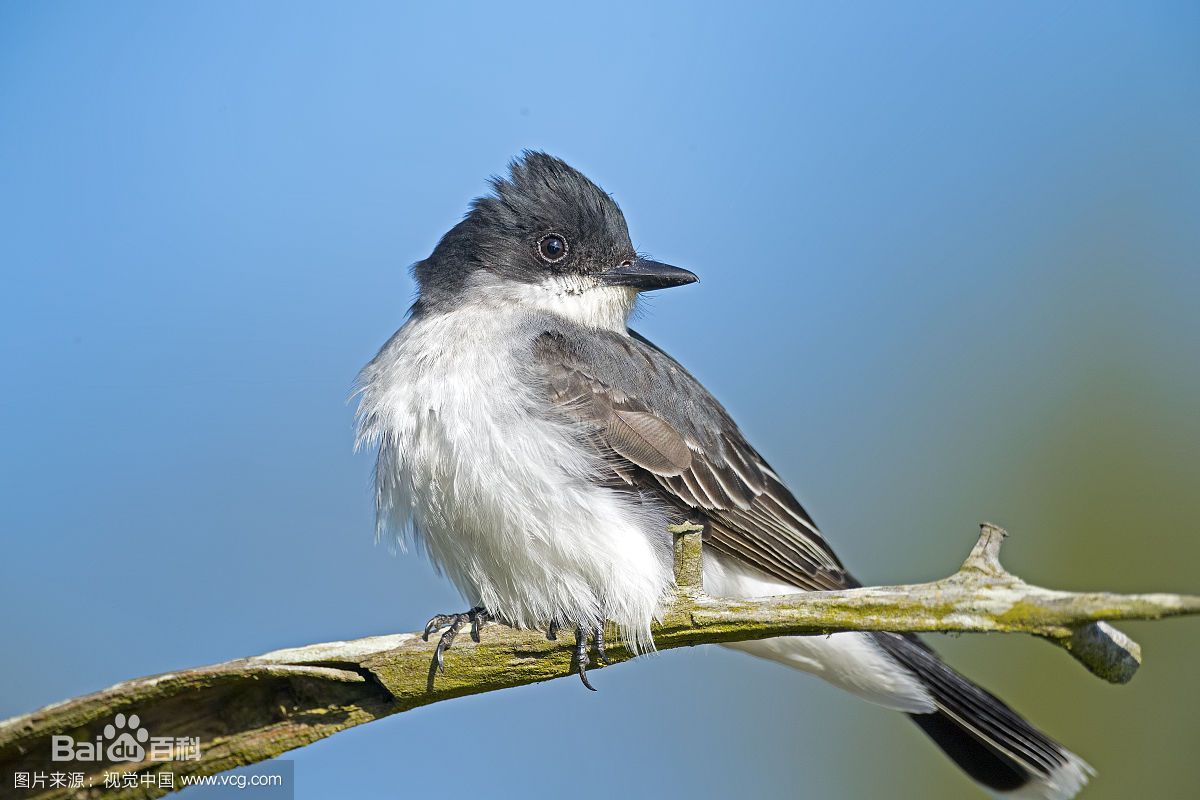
pixel 547 238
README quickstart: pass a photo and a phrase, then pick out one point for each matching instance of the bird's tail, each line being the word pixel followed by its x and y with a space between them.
pixel 985 737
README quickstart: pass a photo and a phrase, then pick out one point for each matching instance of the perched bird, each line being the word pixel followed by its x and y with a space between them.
pixel 537 449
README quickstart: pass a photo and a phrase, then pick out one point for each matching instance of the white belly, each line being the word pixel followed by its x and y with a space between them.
pixel 498 493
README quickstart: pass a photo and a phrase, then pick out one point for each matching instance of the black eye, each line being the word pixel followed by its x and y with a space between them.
pixel 552 247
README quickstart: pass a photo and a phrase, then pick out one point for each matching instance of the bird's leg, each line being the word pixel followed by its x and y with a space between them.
pixel 583 639
pixel 598 639
pixel 580 655
pixel 453 623
pixel 552 631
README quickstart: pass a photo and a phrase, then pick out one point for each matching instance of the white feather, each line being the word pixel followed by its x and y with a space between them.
pixel 577 297
pixel 1061 784
pixel 498 492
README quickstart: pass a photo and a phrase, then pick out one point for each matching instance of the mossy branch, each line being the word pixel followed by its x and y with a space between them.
pixel 253 709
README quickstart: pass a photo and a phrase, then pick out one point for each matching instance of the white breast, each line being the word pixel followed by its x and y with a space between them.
pixel 497 492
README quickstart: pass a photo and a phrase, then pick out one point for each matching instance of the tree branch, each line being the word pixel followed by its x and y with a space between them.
pixel 253 709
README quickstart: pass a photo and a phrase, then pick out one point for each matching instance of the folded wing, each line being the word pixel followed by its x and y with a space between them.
pixel 660 431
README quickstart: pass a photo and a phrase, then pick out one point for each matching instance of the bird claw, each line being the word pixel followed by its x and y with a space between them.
pixel 585 639
pixel 580 651
pixel 453 623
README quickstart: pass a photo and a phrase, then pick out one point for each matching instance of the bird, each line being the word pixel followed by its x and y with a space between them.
pixel 536 448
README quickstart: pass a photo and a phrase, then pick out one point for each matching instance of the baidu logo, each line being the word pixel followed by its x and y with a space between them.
pixel 125 740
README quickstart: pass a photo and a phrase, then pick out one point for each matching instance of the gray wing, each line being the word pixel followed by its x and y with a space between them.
pixel 661 432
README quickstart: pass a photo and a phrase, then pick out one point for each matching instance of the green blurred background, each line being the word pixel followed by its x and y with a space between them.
pixel 953 245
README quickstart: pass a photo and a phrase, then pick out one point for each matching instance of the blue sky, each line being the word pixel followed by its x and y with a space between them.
pixel 948 272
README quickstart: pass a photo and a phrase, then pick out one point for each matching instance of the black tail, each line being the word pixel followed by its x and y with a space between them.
pixel 985 737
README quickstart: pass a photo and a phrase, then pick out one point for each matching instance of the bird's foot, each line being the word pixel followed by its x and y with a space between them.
pixel 453 623
pixel 580 651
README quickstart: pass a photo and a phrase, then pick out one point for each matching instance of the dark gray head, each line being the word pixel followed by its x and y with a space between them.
pixel 547 235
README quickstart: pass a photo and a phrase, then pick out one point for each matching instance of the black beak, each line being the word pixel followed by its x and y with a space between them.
pixel 644 275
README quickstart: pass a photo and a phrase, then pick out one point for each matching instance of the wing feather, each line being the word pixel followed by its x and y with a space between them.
pixel 690 454
pixel 648 442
